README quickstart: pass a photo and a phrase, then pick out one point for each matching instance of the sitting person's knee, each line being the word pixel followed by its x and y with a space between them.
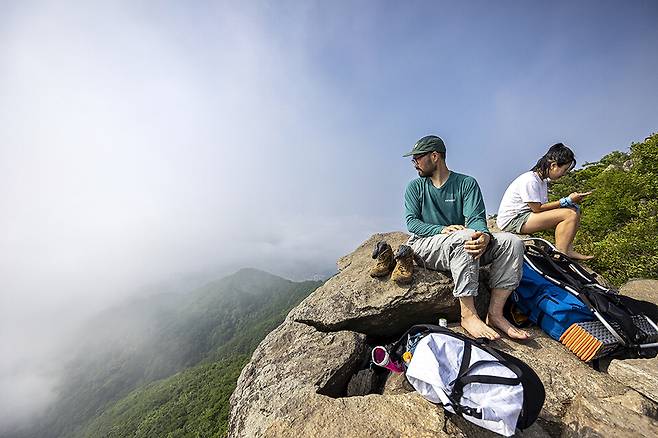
pixel 506 238
pixel 569 214
pixel 463 235
pixel 510 241
pixel 518 246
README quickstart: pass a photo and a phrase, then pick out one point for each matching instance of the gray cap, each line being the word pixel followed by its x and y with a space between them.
pixel 428 143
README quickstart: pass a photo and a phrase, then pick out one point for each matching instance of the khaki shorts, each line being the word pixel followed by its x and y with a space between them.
pixel 515 225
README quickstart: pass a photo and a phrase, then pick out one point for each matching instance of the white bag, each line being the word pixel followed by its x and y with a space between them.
pixel 484 390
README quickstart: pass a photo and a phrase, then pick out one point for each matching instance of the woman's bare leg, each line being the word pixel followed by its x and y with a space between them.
pixel 565 221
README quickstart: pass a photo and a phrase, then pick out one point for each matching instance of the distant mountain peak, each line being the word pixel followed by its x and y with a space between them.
pixel 253 273
pixel 249 270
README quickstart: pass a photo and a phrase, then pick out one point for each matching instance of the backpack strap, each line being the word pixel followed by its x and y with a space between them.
pixel 399 347
pixel 571 281
pixel 463 379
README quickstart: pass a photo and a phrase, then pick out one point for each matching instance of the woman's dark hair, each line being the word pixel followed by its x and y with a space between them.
pixel 559 154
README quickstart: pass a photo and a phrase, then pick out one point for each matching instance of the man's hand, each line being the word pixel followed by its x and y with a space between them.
pixel 451 228
pixel 477 245
pixel 577 198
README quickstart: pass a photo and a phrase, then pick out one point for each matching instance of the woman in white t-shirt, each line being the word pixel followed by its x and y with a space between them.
pixel 525 208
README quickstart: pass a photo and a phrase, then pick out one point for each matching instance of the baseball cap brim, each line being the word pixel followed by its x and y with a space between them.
pixel 430 143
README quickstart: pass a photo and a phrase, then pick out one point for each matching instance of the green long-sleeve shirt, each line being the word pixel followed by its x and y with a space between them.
pixel 458 202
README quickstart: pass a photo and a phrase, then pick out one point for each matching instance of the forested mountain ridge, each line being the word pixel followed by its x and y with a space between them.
pixel 212 329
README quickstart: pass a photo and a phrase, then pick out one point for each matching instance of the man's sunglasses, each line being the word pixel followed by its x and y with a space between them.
pixel 415 158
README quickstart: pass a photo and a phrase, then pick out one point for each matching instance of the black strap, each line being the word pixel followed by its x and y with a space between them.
pixel 464 379
pixel 573 282
pixel 465 367
pixel 493 380
pixel 464 370
pixel 400 346
pixel 511 366
pixel 465 410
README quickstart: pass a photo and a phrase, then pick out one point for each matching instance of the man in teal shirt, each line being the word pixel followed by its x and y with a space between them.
pixel 446 215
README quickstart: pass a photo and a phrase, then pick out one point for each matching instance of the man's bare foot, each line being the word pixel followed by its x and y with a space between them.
pixel 478 329
pixel 578 256
pixel 507 328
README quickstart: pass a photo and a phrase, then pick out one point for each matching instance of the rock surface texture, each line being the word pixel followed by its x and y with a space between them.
pixel 298 380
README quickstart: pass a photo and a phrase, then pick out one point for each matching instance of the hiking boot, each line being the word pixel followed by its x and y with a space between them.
pixel 385 261
pixel 404 267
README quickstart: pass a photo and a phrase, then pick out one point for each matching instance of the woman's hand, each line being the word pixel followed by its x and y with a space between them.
pixel 577 197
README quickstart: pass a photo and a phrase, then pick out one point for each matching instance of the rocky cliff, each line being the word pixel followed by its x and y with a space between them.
pixel 304 381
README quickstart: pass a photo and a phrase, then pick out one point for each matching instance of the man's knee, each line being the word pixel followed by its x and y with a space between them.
pixel 518 246
pixel 508 262
pixel 462 236
pixel 510 243
pixel 458 252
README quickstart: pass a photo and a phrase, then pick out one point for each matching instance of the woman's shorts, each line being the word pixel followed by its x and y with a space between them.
pixel 515 225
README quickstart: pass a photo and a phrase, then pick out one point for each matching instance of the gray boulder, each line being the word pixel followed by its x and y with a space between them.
pixel 626 415
pixel 639 374
pixel 299 378
pixel 295 364
pixel 640 289
pixel 352 300
pixel 293 385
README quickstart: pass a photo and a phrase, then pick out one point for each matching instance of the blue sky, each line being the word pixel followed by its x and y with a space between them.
pixel 144 141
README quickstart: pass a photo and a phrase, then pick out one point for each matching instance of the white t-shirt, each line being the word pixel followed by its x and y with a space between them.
pixel 528 187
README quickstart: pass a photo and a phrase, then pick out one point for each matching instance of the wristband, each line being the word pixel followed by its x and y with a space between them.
pixel 566 202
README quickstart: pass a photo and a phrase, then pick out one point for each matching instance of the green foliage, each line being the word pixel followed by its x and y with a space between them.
pixel 619 224
pixel 193 403
pixel 154 338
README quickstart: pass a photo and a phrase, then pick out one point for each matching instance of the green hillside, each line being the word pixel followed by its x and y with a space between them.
pixel 205 336
pixel 192 403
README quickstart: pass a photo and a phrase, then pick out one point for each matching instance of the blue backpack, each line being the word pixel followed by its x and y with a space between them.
pixel 571 305
pixel 549 306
